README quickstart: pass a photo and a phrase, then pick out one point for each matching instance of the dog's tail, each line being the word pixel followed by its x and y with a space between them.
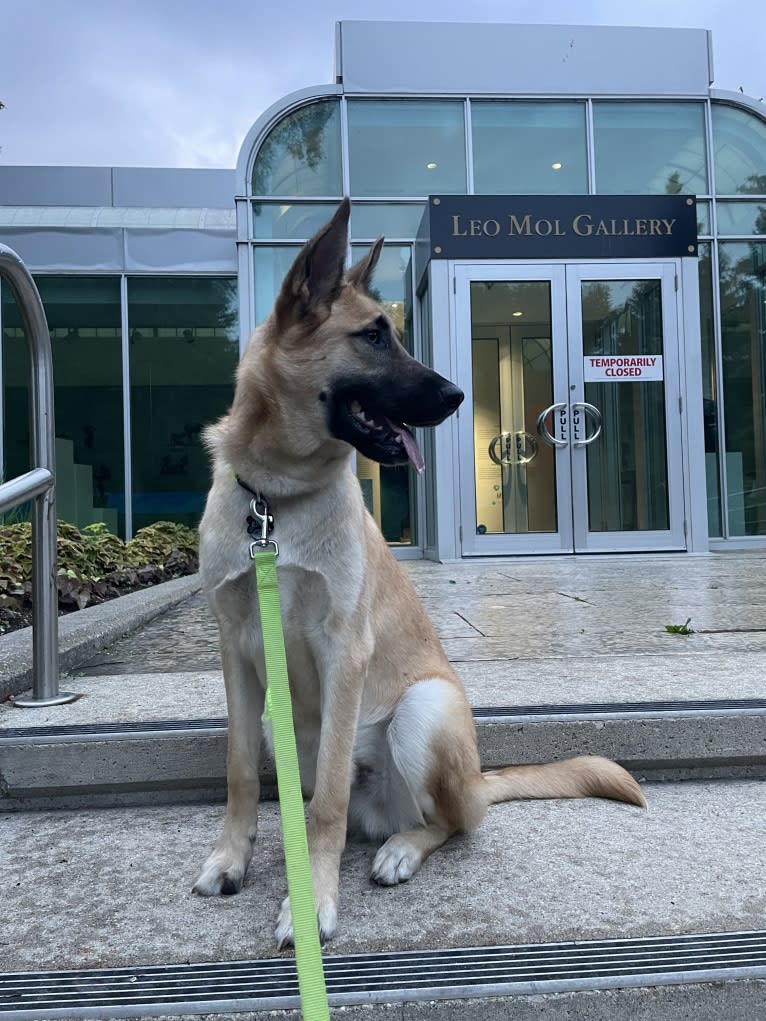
pixel 588 776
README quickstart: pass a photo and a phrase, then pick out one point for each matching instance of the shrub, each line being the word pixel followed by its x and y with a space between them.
pixel 94 564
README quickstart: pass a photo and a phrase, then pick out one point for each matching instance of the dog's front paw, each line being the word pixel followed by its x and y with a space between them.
pixel 221 874
pixel 396 862
pixel 327 920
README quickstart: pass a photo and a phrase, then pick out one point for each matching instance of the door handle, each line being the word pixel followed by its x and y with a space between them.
pixel 515 448
pixel 589 411
pixel 542 428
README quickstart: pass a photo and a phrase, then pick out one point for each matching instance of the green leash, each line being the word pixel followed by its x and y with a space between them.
pixel 308 951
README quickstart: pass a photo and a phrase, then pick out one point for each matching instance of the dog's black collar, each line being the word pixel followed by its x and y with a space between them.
pixel 261 507
pixel 251 491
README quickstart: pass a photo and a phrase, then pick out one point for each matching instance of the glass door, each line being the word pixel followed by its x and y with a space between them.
pixel 570 433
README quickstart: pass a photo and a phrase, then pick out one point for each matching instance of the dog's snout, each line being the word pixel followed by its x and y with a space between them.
pixel 452 397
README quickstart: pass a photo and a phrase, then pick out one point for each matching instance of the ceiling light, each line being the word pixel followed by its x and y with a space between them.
pixel 555 166
pixel 431 166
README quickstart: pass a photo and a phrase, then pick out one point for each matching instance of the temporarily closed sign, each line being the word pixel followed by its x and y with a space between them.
pixel 613 368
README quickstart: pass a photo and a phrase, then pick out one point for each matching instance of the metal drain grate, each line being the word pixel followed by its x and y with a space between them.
pixel 383 978
pixel 570 711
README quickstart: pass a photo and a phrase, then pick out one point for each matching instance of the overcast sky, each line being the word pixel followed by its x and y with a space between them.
pixel 180 82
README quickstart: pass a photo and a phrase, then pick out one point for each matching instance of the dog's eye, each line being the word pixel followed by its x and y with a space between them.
pixel 372 335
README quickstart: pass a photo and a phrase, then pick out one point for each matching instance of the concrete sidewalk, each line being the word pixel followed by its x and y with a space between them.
pixel 528 631
pixel 97 888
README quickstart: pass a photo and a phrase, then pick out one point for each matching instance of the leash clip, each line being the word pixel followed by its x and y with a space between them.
pixel 261 518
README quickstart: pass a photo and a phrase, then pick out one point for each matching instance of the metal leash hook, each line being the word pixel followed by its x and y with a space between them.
pixel 260 517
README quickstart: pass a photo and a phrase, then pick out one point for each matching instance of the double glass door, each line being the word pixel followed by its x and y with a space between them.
pixel 570 436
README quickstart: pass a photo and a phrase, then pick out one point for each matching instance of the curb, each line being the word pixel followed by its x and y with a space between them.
pixel 85 632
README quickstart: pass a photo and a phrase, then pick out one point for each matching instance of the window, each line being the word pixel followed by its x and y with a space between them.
pixel 739 146
pixel 709 391
pixel 271 266
pixel 389 492
pixel 83 316
pixel 183 351
pixel 529 148
pixel 413 148
pixel 301 154
pixel 650 148
pixel 742 268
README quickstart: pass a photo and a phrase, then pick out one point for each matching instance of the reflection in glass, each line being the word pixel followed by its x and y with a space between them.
pixel 300 220
pixel 741 217
pixel 522 148
pixel 512 383
pixel 301 153
pixel 703 218
pixel 649 148
pixel 739 146
pixel 270 267
pixel 709 391
pixel 627 466
pixel 183 349
pixel 742 268
pixel 372 219
pixel 390 492
pixel 83 315
pixel 406 147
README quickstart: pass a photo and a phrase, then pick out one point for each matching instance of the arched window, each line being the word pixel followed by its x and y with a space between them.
pixel 301 155
pixel 739 145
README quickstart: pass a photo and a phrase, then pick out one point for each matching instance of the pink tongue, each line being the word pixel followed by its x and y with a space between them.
pixel 410 445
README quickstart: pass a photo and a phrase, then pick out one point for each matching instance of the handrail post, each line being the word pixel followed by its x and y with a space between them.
pixel 40 484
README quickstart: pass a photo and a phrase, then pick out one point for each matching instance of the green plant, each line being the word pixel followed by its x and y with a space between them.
pixel 680 629
pixel 93 564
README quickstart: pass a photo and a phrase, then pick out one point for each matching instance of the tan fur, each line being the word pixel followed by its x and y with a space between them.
pixel 385 734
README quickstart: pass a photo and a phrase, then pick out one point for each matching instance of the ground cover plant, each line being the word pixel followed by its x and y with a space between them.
pixel 93 565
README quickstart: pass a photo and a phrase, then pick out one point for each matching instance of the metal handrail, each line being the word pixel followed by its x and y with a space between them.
pixel 38 485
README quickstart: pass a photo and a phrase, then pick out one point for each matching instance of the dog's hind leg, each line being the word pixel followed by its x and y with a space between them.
pixel 432 742
pixel 224 871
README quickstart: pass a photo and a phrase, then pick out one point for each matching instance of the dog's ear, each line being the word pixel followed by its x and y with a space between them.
pixel 361 273
pixel 315 278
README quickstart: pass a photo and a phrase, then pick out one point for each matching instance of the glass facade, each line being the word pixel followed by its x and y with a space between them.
pixel 301 155
pixel 182 351
pixel 739 147
pixel 83 315
pixel 650 148
pixel 742 279
pixel 406 148
pixel 389 492
pixel 403 149
pixel 529 148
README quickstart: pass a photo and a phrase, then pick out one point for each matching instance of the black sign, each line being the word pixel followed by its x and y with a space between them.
pixel 560 226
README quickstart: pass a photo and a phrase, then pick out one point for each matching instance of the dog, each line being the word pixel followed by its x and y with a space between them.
pixel 386 739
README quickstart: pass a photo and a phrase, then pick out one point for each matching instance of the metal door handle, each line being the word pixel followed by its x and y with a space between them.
pixel 592 412
pixel 542 428
pixel 513 448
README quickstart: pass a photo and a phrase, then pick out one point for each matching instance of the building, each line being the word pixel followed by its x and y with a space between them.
pixel 575 233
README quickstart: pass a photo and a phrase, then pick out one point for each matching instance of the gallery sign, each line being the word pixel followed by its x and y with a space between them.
pixel 616 368
pixel 560 226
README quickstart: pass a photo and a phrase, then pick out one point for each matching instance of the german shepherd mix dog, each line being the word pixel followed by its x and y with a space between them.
pixel 386 739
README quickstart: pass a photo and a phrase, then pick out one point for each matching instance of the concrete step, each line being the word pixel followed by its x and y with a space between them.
pixel 137 758
pixel 584 910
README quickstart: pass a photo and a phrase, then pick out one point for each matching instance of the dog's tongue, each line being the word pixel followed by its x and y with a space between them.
pixel 410 445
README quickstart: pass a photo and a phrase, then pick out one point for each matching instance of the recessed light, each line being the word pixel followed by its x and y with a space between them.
pixel 517 313
pixel 431 166
pixel 555 166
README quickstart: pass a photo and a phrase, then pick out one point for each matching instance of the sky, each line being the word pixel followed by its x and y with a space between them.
pixel 178 83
